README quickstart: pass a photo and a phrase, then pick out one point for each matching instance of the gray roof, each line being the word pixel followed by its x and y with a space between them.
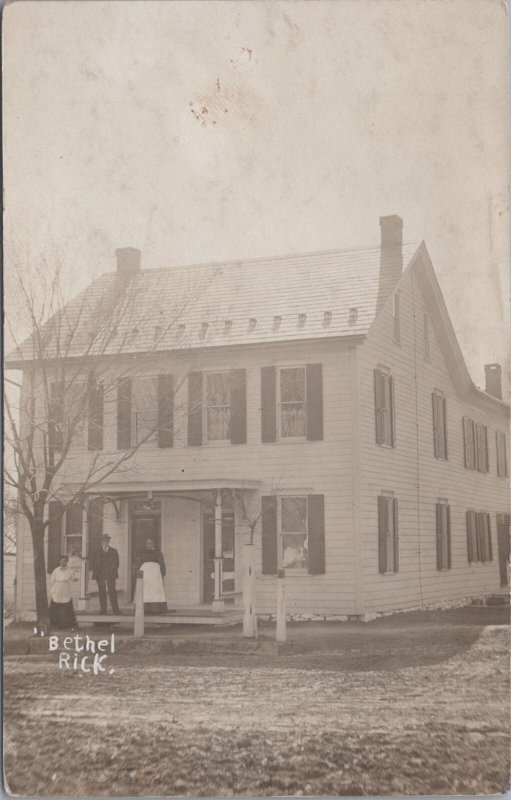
pixel 233 303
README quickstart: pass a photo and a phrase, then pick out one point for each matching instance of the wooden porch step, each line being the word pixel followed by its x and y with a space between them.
pixel 181 617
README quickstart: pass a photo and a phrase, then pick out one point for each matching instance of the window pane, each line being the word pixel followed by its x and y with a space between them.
pixel 293 419
pixel 73 545
pixel 294 514
pixel 219 423
pixel 292 384
pixel 294 550
pixel 218 389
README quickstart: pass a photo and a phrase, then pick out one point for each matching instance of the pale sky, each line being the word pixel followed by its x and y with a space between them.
pixel 203 131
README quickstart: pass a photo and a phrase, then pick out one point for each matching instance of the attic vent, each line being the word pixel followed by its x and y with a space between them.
pixel 252 323
pixel 353 316
pixel 227 325
pixel 276 323
pixel 181 329
pixel 302 319
pixel 327 319
pixel 204 330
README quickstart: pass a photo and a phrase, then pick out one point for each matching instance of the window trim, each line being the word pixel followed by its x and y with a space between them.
pixel 292 570
pixel 205 439
pixel 279 403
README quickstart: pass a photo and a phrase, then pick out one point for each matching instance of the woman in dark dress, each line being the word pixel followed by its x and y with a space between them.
pixel 61 611
pixel 152 565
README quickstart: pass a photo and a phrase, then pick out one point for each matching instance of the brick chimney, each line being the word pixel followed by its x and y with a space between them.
pixel 493 373
pixel 128 262
pixel 391 256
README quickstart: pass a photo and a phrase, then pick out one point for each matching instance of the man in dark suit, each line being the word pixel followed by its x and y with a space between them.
pixel 105 571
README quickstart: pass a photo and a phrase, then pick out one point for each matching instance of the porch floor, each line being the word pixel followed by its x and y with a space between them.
pixel 193 615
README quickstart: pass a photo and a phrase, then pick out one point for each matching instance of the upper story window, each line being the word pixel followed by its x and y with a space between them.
pixel 439 424
pixel 218 406
pixel 475 442
pixel 443 535
pixel 427 342
pixel 396 318
pixel 67 412
pixel 384 407
pixel 388 545
pixel 292 402
pixel 479 547
pixel 501 447
pixel 145 410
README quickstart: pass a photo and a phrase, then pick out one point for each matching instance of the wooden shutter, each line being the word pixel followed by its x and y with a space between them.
pixel 95 415
pixel 448 534
pixel 443 427
pixel 436 424
pixel 195 408
pixel 488 529
pixel 95 526
pixel 396 535
pixel 471 536
pixel 55 511
pixel 238 406
pixel 269 534
pixel 316 533
pixel 439 536
pixel 468 442
pixel 165 410
pixel 392 411
pixel 314 383
pixel 383 526
pixel 268 404
pixel 124 413
pixel 379 390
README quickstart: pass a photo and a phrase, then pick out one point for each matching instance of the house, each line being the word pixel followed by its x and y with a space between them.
pixel 323 396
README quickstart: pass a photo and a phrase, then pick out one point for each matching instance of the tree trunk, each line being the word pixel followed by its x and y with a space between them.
pixel 41 595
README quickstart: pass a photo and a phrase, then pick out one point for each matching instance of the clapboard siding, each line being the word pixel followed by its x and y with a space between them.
pixel 412 472
pixel 323 467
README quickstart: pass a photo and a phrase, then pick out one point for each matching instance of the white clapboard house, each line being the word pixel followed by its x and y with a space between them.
pixel 323 396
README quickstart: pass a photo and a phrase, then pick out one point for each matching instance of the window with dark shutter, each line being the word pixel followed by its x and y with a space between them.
pixel 95 415
pixel 484 545
pixel 314 382
pixel 472 548
pixel 439 425
pixel 501 448
pixel 388 537
pixel 195 408
pixel 73 530
pixel 384 408
pixel 268 404
pixel 316 533
pixel 469 443
pixel 124 413
pixel 165 410
pixel 269 535
pixel 238 406
pixel 481 442
pixel 55 513
pixel 443 536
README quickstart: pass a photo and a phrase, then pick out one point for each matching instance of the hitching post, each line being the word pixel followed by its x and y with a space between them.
pixel 281 606
pixel 139 605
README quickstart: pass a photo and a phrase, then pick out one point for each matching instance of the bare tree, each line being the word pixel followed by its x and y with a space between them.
pixel 75 356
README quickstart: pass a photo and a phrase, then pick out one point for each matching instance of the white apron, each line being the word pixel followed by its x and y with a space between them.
pixel 153 583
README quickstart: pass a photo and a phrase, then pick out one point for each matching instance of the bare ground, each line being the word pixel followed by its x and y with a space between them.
pixel 322 723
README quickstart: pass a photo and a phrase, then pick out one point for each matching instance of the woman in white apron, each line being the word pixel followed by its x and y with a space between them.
pixel 152 565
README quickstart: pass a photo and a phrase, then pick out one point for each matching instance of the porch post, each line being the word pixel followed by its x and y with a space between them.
pixel 82 600
pixel 218 603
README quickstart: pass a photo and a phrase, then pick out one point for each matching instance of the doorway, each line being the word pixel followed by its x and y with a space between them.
pixel 208 550
pixel 144 526
pixel 503 521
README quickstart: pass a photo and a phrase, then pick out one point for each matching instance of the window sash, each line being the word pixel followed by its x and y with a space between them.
pixel 144 409
pixel 293 411
pixel 217 409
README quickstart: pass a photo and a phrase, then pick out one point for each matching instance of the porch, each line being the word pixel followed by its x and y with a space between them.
pixel 198 527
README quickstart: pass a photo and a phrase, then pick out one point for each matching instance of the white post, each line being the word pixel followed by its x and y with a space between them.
pixel 281 606
pixel 82 600
pixel 249 618
pixel 218 603
pixel 139 605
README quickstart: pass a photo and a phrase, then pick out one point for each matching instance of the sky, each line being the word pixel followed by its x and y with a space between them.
pixel 210 131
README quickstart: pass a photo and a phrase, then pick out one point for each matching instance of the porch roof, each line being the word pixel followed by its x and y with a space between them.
pixel 126 488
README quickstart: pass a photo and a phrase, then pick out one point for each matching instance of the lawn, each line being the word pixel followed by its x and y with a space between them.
pixel 360 713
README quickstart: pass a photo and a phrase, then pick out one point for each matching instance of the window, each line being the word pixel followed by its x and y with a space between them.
pixel 384 407
pixel 218 406
pixel 72 545
pixel 481 444
pixel 427 344
pixel 388 545
pixel 439 425
pixel 469 443
pixel 293 533
pixel 293 403
pixel 479 547
pixel 144 409
pixel 443 535
pixel 501 447
pixel 68 404
pixel 396 319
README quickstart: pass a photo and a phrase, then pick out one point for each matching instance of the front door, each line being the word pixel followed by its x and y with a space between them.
pixel 503 521
pixel 208 549
pixel 143 527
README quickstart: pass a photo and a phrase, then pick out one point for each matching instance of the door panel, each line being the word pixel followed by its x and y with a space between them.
pixel 503 521
pixel 143 527
pixel 208 551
